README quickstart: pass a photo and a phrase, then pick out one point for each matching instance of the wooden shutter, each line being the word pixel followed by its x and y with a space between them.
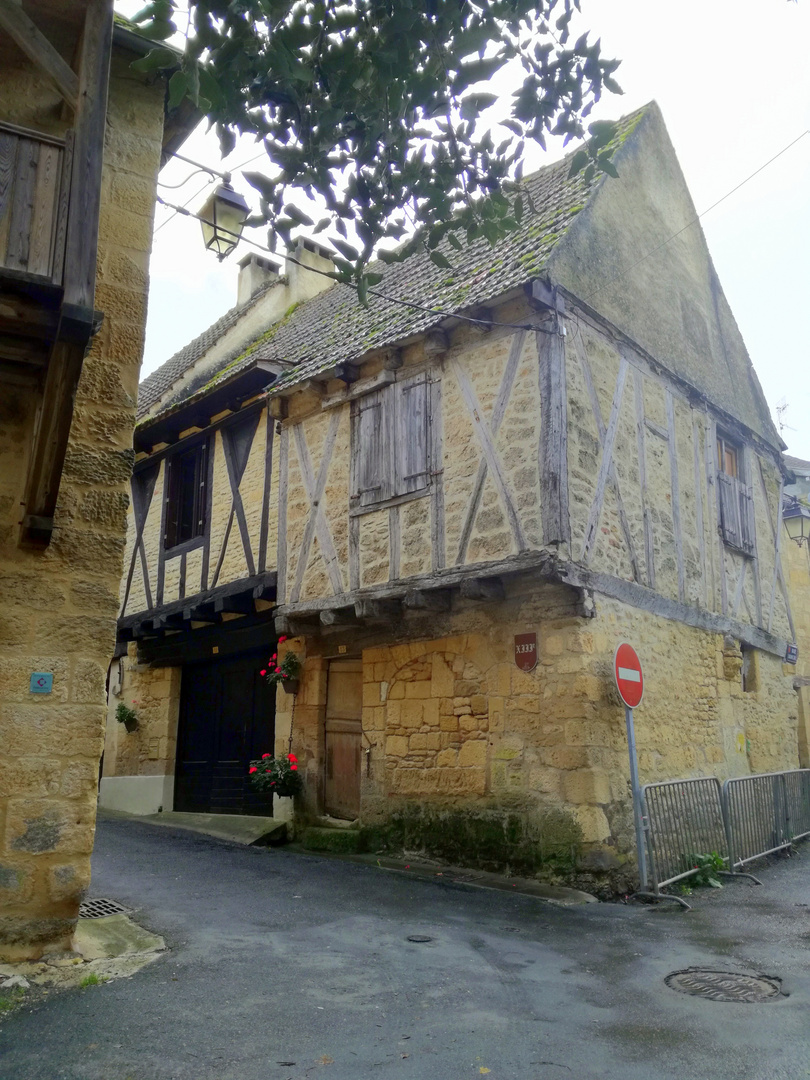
pixel 411 448
pixel 729 509
pixel 746 501
pixel 370 456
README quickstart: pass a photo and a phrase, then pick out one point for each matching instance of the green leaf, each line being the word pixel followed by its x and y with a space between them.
pixel 155 60
pixel 178 87
pixel 578 162
pixel 438 259
pixel 263 184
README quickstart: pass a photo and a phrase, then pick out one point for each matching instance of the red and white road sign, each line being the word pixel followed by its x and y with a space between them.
pixel 629 678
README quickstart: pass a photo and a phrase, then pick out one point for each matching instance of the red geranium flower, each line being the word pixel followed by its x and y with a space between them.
pixel 294 768
pixel 266 755
pixel 292 757
pixel 282 638
pixel 263 671
pixel 278 669
pixel 252 769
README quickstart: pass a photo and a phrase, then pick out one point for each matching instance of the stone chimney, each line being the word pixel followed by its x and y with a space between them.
pixel 303 283
pixel 254 271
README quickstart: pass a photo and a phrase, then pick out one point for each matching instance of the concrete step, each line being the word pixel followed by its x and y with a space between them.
pixel 238 828
pixel 338 841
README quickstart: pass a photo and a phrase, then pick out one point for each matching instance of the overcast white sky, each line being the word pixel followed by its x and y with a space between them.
pixel 731 77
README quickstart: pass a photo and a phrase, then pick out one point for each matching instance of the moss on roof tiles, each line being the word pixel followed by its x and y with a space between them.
pixel 333 327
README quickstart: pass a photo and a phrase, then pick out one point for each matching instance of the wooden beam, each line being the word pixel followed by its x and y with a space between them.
pixel 378 610
pixel 498 410
pixel 637 596
pixel 339 617
pixel 88 153
pixel 436 343
pixel 483 589
pixel 553 449
pixel 25 34
pixel 676 494
pixel 427 600
pixel 238 604
pixel 50 441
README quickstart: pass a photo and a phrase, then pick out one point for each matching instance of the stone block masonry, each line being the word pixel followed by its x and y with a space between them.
pixel 58 607
pixel 476 761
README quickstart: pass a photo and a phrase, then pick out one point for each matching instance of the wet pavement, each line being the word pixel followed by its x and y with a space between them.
pixel 286 965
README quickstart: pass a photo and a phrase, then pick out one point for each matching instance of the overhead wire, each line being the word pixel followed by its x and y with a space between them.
pixel 469 319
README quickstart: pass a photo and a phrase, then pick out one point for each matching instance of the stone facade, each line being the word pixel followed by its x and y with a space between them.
pixel 59 605
pixel 571 489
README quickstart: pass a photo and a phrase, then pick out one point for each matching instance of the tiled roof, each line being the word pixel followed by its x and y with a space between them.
pixel 161 380
pixel 333 327
pixel 797 464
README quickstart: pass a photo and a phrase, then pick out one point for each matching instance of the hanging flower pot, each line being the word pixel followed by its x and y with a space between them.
pixel 276 775
pixel 286 673
pixel 126 716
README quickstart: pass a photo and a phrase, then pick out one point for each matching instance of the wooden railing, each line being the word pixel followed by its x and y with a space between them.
pixel 34 195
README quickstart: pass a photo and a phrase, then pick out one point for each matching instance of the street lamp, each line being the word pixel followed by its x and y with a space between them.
pixel 796 517
pixel 223 217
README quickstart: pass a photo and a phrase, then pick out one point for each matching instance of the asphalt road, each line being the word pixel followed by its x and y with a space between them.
pixel 279 958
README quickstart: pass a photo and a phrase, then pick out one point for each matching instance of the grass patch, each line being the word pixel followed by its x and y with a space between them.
pixel 11 999
pixel 91 980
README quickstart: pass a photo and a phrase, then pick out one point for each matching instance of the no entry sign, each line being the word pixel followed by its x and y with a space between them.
pixel 629 678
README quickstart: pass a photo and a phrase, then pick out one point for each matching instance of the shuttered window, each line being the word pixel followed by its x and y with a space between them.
pixel 735 498
pixel 186 495
pixel 391 442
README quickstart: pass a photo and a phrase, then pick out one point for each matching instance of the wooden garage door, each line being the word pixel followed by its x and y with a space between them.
pixel 227 718
pixel 344 706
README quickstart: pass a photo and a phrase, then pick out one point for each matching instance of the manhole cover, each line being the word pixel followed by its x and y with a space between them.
pixel 420 939
pixel 97 909
pixel 723 985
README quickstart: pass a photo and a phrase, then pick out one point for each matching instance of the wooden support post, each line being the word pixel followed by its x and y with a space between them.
pixel 88 152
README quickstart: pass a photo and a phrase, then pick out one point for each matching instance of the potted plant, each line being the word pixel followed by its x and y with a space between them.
pixel 276 775
pixel 287 672
pixel 127 716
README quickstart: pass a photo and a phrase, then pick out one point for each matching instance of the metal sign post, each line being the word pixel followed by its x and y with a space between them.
pixel 630 684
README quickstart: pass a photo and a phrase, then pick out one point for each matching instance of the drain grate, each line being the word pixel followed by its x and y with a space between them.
pixel 724 985
pixel 97 909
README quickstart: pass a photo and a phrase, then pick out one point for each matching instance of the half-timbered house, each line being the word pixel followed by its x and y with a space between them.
pixel 455 503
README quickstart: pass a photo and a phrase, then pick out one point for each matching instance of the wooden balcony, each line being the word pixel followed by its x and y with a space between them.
pixel 34 197
pixel 50 193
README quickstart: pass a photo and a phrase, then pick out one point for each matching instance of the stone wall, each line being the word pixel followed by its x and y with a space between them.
pixel 536 762
pixel 138 766
pixel 59 606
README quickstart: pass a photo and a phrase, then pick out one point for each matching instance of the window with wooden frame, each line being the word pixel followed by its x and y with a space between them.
pixel 735 497
pixel 186 488
pixel 391 448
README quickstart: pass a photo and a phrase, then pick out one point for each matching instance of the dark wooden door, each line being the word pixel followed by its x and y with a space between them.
pixel 344 709
pixel 227 718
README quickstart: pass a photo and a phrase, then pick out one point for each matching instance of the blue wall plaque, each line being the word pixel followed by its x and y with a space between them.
pixel 41 682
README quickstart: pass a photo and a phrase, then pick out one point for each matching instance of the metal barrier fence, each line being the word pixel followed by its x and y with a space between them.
pixel 683 818
pixel 750 816
pixel 765 813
